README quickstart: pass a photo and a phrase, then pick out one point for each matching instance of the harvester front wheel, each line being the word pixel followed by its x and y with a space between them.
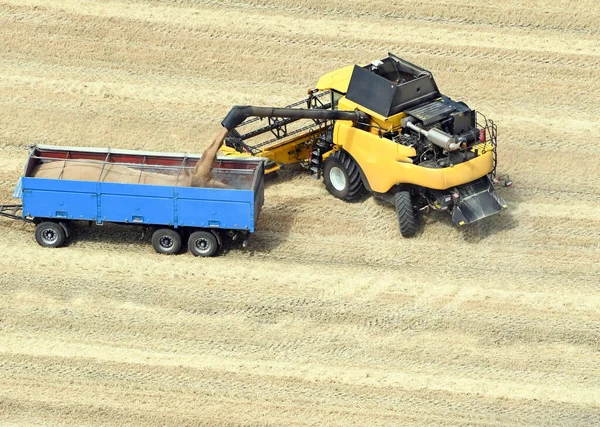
pixel 342 176
pixel 203 243
pixel 408 220
pixel 50 234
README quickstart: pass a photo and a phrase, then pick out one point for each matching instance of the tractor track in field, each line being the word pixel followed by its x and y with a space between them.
pixel 328 317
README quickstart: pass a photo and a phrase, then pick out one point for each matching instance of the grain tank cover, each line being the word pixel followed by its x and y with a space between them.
pixel 391 85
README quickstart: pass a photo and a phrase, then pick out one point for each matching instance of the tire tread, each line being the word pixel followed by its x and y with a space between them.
pixel 408 220
pixel 355 184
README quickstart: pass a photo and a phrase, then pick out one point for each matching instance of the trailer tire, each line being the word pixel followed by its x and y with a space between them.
pixel 408 220
pixel 342 176
pixel 203 243
pixel 166 241
pixel 50 234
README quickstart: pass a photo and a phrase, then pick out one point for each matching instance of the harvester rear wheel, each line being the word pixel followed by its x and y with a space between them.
pixel 50 234
pixel 203 243
pixel 166 241
pixel 342 176
pixel 408 220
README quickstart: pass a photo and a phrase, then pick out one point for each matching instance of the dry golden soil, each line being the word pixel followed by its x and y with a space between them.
pixel 328 317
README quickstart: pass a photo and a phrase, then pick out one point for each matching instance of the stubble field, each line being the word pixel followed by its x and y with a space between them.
pixel 328 317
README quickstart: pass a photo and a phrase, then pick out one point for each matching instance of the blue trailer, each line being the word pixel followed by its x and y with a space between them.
pixel 176 213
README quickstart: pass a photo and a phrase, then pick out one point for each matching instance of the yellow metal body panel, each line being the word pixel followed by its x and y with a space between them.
pixel 272 169
pixel 345 104
pixel 378 122
pixel 228 151
pixel 287 150
pixel 337 80
pixel 386 163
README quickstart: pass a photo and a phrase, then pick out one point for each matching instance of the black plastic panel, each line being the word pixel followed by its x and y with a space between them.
pixel 371 91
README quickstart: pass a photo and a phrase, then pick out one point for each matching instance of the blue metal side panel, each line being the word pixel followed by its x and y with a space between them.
pixel 134 209
pixel 58 185
pixel 218 208
pixel 136 203
pixel 139 190
pixel 53 198
pixel 209 213
pixel 216 194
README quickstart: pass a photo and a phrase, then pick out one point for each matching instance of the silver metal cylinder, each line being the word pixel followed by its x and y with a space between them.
pixel 436 136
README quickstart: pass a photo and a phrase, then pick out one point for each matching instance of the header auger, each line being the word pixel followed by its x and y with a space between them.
pixel 383 127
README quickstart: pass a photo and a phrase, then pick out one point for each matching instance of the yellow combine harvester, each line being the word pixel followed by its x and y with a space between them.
pixel 384 127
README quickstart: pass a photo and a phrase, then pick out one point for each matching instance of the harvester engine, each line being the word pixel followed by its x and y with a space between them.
pixel 441 132
pixel 445 133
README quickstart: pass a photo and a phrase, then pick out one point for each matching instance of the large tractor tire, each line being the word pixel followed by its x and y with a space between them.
pixel 342 176
pixel 408 219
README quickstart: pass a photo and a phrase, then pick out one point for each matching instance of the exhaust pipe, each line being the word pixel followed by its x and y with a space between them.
pixel 436 136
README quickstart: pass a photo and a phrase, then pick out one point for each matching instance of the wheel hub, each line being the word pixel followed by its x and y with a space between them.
pixel 202 244
pixel 337 178
pixel 166 242
pixel 49 236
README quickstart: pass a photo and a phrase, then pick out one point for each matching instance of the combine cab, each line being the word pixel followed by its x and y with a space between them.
pixel 384 127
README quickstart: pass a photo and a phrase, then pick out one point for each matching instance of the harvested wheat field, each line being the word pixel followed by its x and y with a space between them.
pixel 329 317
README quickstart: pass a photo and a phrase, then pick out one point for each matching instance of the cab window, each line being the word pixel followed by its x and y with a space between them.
pixel 335 98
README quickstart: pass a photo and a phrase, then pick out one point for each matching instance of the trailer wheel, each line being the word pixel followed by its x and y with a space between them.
pixel 342 176
pixel 50 235
pixel 166 241
pixel 203 243
pixel 408 219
